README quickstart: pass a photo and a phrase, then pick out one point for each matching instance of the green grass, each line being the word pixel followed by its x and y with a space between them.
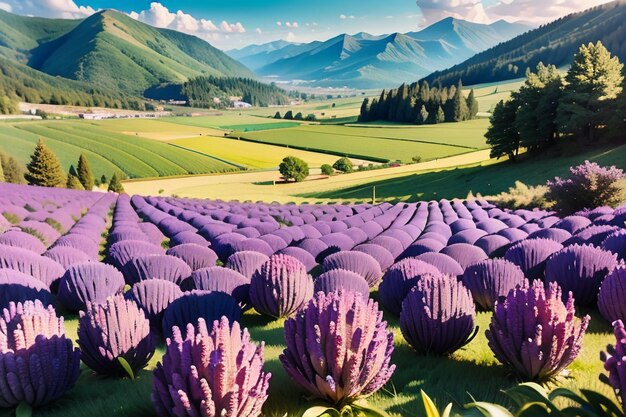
pixel 387 143
pixel 107 151
pixel 231 120
pixel 487 179
pixel 471 371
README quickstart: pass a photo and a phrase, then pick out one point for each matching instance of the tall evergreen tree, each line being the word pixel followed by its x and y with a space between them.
pixel 13 171
pixel 84 172
pixel 502 134
pixel 538 101
pixel 45 168
pixel 103 179
pixel 472 105
pixel 440 116
pixel 73 183
pixel 115 185
pixel 363 115
pixel 1 174
pixel 460 111
pixel 593 82
pixel 422 117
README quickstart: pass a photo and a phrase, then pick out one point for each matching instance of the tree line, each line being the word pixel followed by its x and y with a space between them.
pixel 589 100
pixel 419 103
pixel 45 170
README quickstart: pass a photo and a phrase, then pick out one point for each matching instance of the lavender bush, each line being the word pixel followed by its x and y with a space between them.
pixel 615 363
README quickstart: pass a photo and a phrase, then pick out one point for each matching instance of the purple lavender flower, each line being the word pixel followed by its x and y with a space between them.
pixel 612 295
pixel 615 362
pixel 338 348
pixel 89 282
pixel 491 280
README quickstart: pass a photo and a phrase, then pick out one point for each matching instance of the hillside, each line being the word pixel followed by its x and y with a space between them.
pixel 555 43
pixel 117 52
pixel 258 56
pixel 367 61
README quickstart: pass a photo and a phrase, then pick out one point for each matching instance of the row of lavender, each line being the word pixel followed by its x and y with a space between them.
pixel 433 259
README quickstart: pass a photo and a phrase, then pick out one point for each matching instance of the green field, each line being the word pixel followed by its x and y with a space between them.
pixel 250 154
pixel 232 121
pixel 488 178
pixel 383 143
pixel 469 372
pixel 107 151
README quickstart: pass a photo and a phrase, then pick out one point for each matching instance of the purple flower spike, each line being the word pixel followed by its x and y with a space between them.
pixel 115 329
pixel 549 339
pixel 338 348
pixel 281 287
pixel 438 315
pixel 612 295
pixel 615 362
pixel 210 373
pixel 91 282
pixel 491 280
pixel 358 262
pixel 340 279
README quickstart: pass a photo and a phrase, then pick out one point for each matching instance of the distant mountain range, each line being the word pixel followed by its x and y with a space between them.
pixel 368 61
pixel 555 43
pixel 111 50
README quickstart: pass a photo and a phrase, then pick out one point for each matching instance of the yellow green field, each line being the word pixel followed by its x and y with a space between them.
pixel 156 129
pixel 229 120
pixel 252 155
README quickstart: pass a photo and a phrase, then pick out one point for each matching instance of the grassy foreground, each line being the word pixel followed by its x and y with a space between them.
pixel 470 372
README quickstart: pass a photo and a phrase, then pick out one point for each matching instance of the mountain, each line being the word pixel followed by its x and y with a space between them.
pixel 555 43
pixel 368 61
pixel 258 56
pixel 118 52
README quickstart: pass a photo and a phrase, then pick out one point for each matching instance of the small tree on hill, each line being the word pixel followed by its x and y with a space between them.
pixel 363 114
pixel 327 169
pixel 422 116
pixel 343 164
pixel 73 183
pixel 277 115
pixel 289 115
pixel 84 172
pixel 292 168
pixel 115 185
pixel 593 81
pixel 440 117
pixel 502 134
pixel 1 174
pixel 472 105
pixel 12 170
pixel 45 168
pixel 460 112
pixel 103 179
pixel 298 116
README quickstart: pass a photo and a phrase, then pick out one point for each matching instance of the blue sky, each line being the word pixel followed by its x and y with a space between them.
pixel 236 23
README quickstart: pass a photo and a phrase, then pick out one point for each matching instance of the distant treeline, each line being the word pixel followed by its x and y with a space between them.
pixel 201 91
pixel 420 103
pixel 21 83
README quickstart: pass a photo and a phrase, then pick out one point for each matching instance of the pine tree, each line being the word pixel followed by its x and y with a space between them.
pixel 593 83
pixel 13 171
pixel 460 111
pixel 422 117
pixel 502 134
pixel 84 172
pixel 73 183
pixel 441 116
pixel 115 185
pixel 472 105
pixel 1 173
pixel 363 115
pixel 277 115
pixel 400 105
pixel 103 179
pixel 45 168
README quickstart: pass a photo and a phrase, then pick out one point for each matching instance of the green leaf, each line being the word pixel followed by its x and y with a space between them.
pixel 429 406
pixel 320 411
pixel 601 403
pixel 535 409
pixel 566 393
pixel 530 392
pixel 23 410
pixel 490 410
pixel 369 410
pixel 126 366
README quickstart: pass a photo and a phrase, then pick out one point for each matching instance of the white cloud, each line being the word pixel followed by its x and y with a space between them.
pixel 293 25
pixel 435 10
pixel 65 9
pixel 290 37
pixel 279 23
pixel 259 31
pixel 344 17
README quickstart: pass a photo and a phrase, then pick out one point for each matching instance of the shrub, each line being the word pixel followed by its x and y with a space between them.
pixel 531 255
pixel 588 186
pixel 438 315
pixel 91 282
pixel 550 338
pixel 612 295
pixel 343 165
pixel 338 348
pixel 340 279
pixel 522 196
pixel 246 262
pixel 280 287
pixel 491 280
pixel 580 270
pixel 615 363
pixel 165 267
pixel 358 262
pixel 153 297
pixel 28 333
pixel 229 281
pixel 114 334
pixel 292 168
pixel 210 374
pixel 18 287
pixel 194 255
pixel 327 170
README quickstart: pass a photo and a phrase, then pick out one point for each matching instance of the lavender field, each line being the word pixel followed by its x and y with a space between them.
pixel 144 301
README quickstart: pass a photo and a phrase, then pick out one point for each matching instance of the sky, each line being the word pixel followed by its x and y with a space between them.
pixel 231 24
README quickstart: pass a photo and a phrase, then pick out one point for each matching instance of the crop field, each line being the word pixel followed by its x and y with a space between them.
pixel 155 129
pixel 150 249
pixel 250 154
pixel 383 143
pixel 232 121
pixel 108 151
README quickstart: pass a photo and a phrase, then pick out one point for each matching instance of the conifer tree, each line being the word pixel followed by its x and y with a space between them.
pixel 593 82
pixel 1 174
pixel 45 168
pixel 441 116
pixel 472 105
pixel 502 134
pixel 73 183
pixel 363 115
pixel 422 117
pixel 103 180
pixel 85 175
pixel 115 185
pixel 13 171
pixel 459 105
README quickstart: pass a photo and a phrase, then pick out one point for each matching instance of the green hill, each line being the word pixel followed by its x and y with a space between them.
pixel 555 43
pixel 115 51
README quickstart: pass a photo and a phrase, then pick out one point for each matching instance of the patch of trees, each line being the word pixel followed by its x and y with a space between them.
pixel 200 92
pixel 554 43
pixel 21 83
pixel 299 116
pixel 293 168
pixel 589 99
pixel 419 103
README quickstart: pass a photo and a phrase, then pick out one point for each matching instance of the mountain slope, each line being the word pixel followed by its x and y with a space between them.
pixel 114 51
pixel 555 43
pixel 367 61
pixel 258 56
